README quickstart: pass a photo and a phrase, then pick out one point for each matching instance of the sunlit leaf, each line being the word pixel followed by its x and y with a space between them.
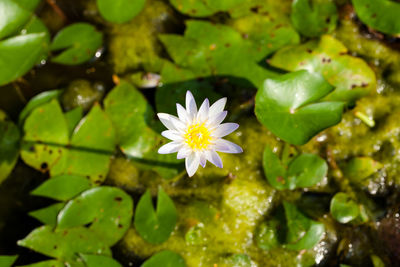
pixel 48 215
pixel 99 260
pixel 359 168
pixel 108 210
pixel 120 11
pixel 73 117
pixel 9 146
pixel 165 258
pixel 78 43
pixel 381 15
pixel 343 208
pixel 7 261
pixel 48 263
pixel 155 226
pixel 351 76
pixel 13 17
pixel 314 17
pixel 290 107
pixel 303 233
pixel 63 187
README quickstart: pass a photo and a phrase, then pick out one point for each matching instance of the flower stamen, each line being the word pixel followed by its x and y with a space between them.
pixel 197 136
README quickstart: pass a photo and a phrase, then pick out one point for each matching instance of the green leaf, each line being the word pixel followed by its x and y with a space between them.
pixel 267 235
pixel 303 233
pixel 37 101
pixel 63 187
pixel 19 54
pixel 48 263
pixel 359 168
pixel 108 209
pixel 73 117
pixel 165 258
pixel 290 107
pixel 204 8
pixel 312 18
pixel 92 145
pixel 48 215
pixel 9 146
pixel 46 135
pixel 155 226
pixel 381 15
pixel 12 18
pixel 65 244
pixel 35 25
pixel 7 261
pixel 343 208
pixel 28 4
pixel 99 260
pixel 351 76
pixel 120 11
pixel 274 171
pixel 78 42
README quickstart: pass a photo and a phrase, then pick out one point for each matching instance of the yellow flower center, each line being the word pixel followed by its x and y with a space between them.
pixel 197 136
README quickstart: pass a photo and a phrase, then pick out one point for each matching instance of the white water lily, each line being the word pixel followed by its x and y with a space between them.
pixel 197 134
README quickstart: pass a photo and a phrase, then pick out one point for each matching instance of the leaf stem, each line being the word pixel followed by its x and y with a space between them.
pixel 19 93
pixel 364 118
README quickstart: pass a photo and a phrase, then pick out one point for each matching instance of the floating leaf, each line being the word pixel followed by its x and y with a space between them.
pixel 314 17
pixel 13 17
pixel 99 260
pixel 165 258
pixel 7 261
pixel 73 117
pixel 37 101
pixel 65 244
pixel 9 146
pixel 381 15
pixel 79 43
pixel 359 168
pixel 274 170
pixel 203 8
pixel 290 107
pixel 48 263
pixel 107 209
pixel 303 233
pixel 155 226
pixel 19 54
pixel 343 208
pixel 63 187
pixel 351 76
pixel 48 215
pixel 120 11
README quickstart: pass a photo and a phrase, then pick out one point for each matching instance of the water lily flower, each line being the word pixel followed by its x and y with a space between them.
pixel 197 134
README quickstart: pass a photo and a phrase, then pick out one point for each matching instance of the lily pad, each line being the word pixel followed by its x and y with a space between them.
pixel 120 11
pixel 9 146
pixel 65 244
pixel 99 260
pixel 351 76
pixel 48 215
pixel 343 208
pixel 13 17
pixel 63 187
pixel 7 261
pixel 359 168
pixel 381 15
pixel 290 106
pixel 107 209
pixel 78 43
pixel 313 18
pixel 203 8
pixel 165 258
pixel 155 226
pixel 302 233
pixel 48 263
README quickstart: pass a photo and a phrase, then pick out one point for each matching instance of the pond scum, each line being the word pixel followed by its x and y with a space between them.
pixel 313 84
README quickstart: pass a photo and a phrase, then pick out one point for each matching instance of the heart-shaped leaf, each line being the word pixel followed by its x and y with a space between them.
pixel 155 226
pixel 13 17
pixel 99 260
pixel 108 209
pixel 65 244
pixel 203 8
pixel 48 215
pixel 7 261
pixel 63 187
pixel 351 76
pixel 343 208
pixel 359 168
pixel 381 15
pixel 303 233
pixel 120 11
pixel 314 17
pixel 48 263
pixel 78 42
pixel 165 258
pixel 9 146
pixel 290 106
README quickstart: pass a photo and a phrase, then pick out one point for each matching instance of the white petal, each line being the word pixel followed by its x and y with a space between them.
pixel 178 124
pixel 172 135
pixel 191 105
pixel 225 129
pixel 217 107
pixel 226 146
pixel 203 160
pixel 202 115
pixel 182 114
pixel 216 120
pixel 164 118
pixel 192 164
pixel 184 152
pixel 214 158
pixel 171 147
